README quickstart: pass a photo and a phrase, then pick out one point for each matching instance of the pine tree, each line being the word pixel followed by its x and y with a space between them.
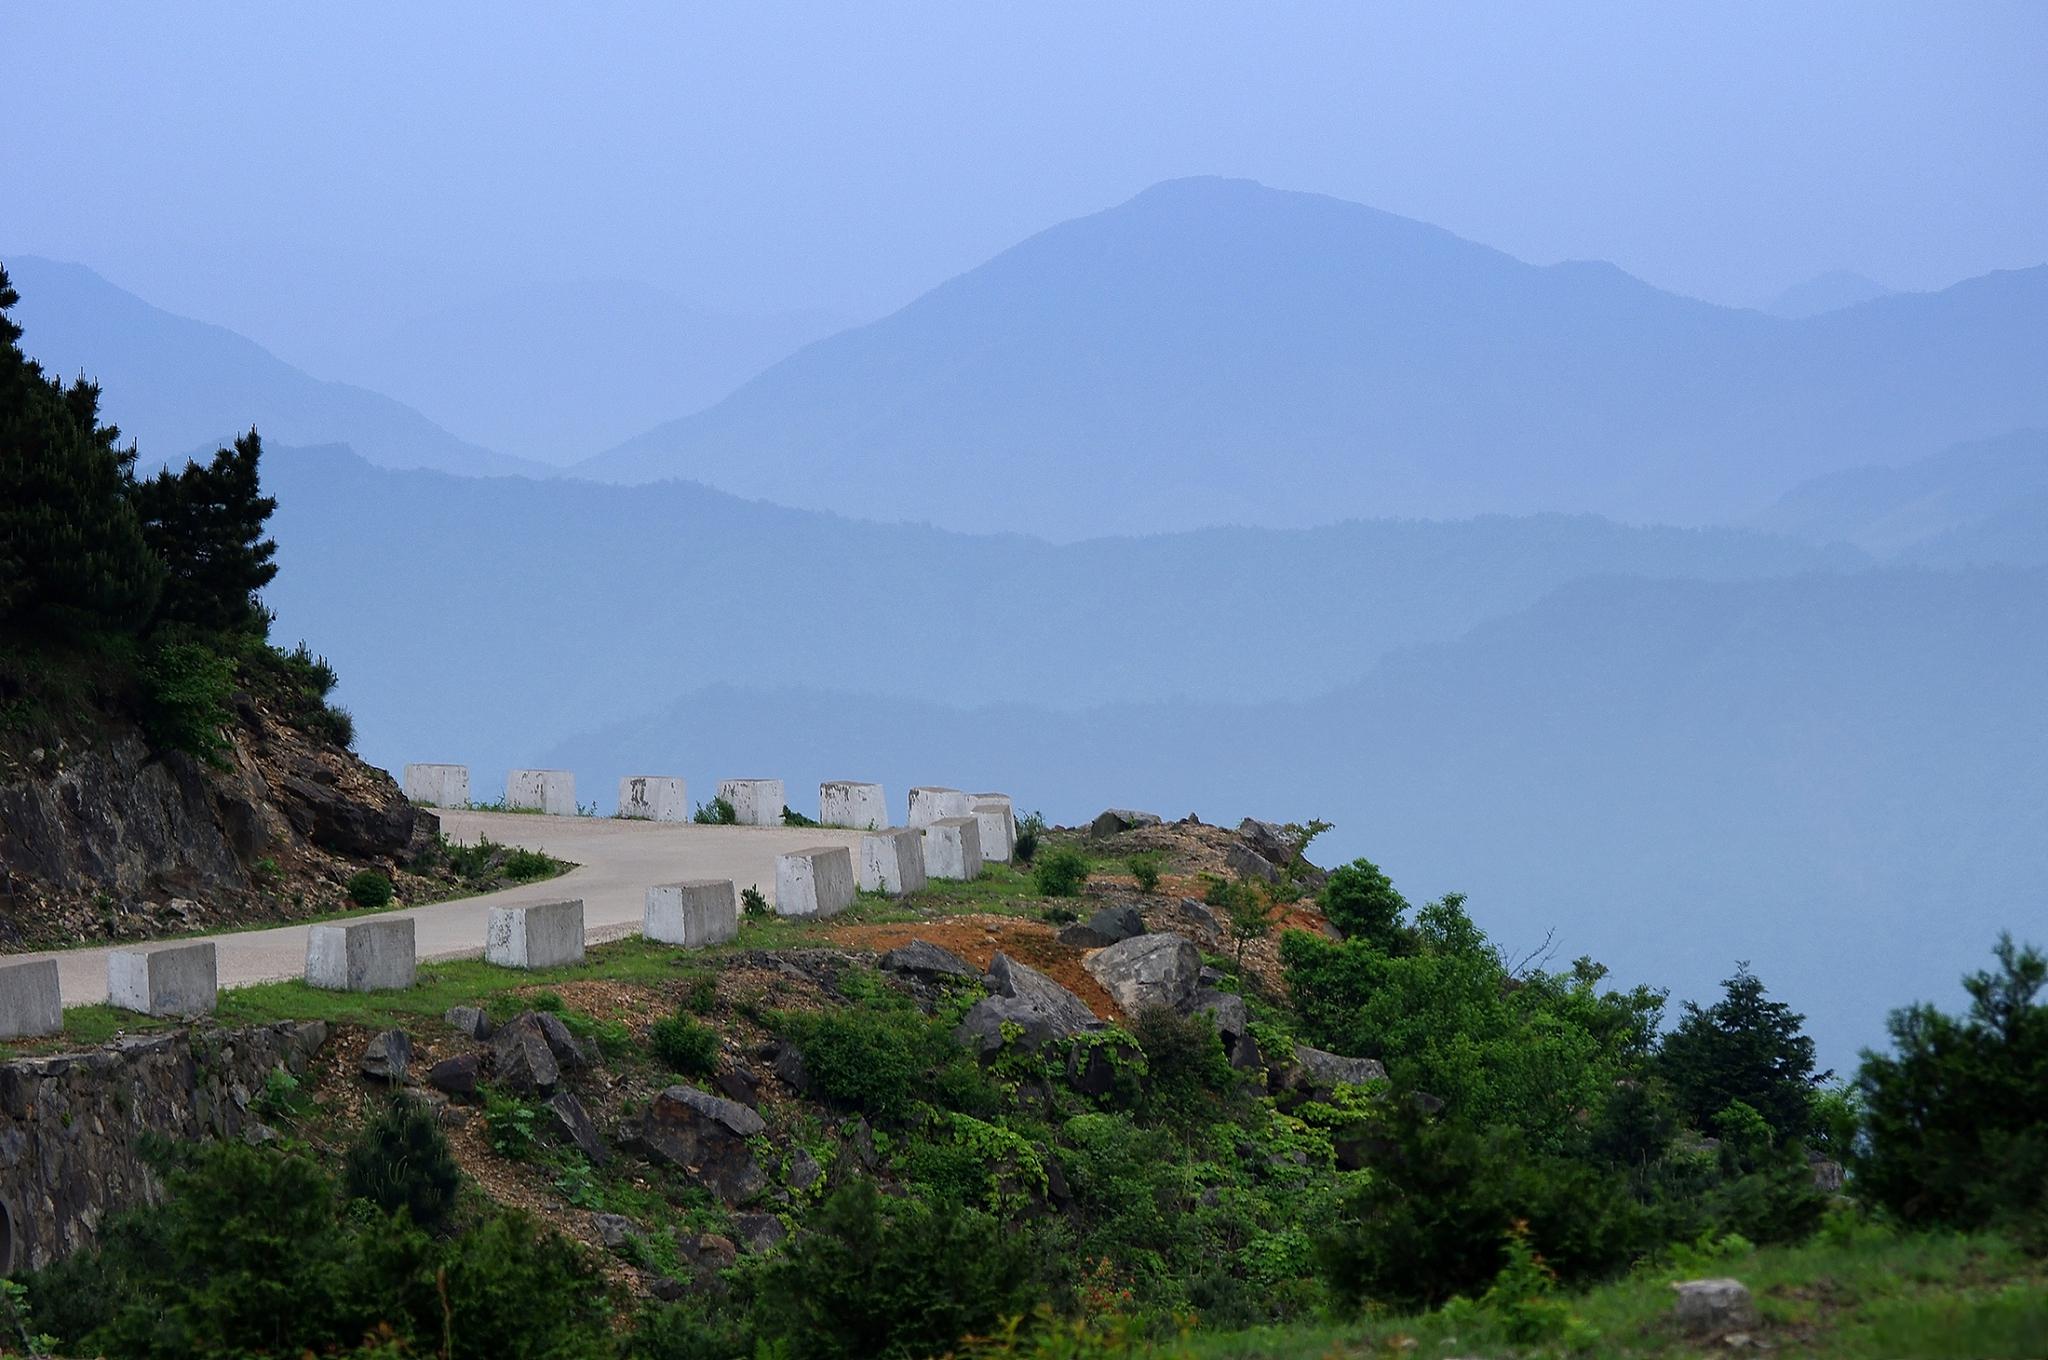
pixel 206 523
pixel 72 555
pixel 1744 1048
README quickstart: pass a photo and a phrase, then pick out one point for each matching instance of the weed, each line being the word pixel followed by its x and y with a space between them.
pixel 1061 873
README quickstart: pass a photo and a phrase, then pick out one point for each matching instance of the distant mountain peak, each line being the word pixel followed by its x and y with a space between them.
pixel 1826 292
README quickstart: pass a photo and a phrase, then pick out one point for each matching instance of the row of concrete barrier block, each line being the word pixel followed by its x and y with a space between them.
pixel 176 980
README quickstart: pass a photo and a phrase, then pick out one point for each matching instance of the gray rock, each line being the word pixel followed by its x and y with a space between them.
pixel 1081 935
pixel 569 1124
pixel 789 1069
pixel 1245 862
pixel 1714 1307
pixel 1093 1068
pixel 616 1231
pixel 458 1075
pixel 1317 1070
pixel 758 1233
pixel 1227 1009
pixel 1828 1175
pixel 803 1170
pixel 706 1136
pixel 706 1253
pixel 1025 997
pixel 1117 923
pixel 387 1055
pixel 1245 1055
pixel 1272 843
pixel 469 1020
pixel 569 1052
pixel 521 1059
pixel 1202 915
pixel 923 959
pixel 1148 970
pixel 1114 820
pixel 738 1082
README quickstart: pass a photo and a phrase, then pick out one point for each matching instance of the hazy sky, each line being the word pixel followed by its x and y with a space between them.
pixel 279 168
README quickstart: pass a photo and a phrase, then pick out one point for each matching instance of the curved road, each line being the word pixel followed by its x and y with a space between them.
pixel 618 861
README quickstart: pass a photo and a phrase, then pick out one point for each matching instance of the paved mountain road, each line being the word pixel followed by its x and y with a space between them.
pixel 617 862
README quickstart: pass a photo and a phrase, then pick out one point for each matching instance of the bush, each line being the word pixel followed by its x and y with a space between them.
pixel 369 888
pixel 524 866
pixel 1060 873
pixel 1188 1078
pixel 401 1161
pixel 881 1055
pixel 186 688
pixel 684 1045
pixel 717 812
pixel 875 1279
pixel 1361 902
pixel 1145 867
pixel 1030 827
pixel 754 904
pixel 791 817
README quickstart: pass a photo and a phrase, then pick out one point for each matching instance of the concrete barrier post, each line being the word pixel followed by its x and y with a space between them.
pixel 178 979
pixel 814 882
pixel 362 956
pixel 445 786
pixel 930 802
pixel 892 860
pixel 755 802
pixel 952 849
pixel 30 1004
pixel 654 798
pixel 549 791
pixel 544 935
pixel 693 913
pixel 845 802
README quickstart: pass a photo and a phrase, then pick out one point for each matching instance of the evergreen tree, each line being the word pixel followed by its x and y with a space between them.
pixel 1745 1047
pixel 206 523
pixel 72 553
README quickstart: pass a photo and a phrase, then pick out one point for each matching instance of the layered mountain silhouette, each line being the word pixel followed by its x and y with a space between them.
pixel 177 386
pixel 1971 502
pixel 1829 292
pixel 1214 351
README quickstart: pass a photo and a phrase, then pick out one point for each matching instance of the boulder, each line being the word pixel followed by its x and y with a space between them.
pixel 923 959
pixel 1113 820
pixel 458 1075
pixel 1093 1068
pixel 1227 1009
pixel 706 1253
pixel 1148 970
pixel 616 1231
pixel 387 1055
pixel 1707 1308
pixel 1271 842
pixel 738 1082
pixel 468 1020
pixel 758 1233
pixel 569 1124
pixel 562 1042
pixel 1246 862
pixel 1027 998
pixel 521 1060
pixel 708 1137
pixel 802 1170
pixel 1202 915
pixel 1117 923
pixel 1320 1072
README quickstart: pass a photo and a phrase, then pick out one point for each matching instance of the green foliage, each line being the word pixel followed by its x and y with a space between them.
pixel 1958 1110
pixel 754 904
pixel 186 688
pixel 1145 867
pixel 205 523
pixel 791 817
pixel 1361 902
pixel 369 888
pixel 1188 1079
pixel 684 1045
pixel 882 1056
pixel 717 812
pixel 1030 829
pixel 1523 1298
pixel 298 683
pixel 401 1161
pixel 1743 1048
pixel 524 866
pixel 875 1279
pixel 1060 872
pixel 511 1125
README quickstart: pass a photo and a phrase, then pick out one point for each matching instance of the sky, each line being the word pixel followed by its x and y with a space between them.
pixel 285 169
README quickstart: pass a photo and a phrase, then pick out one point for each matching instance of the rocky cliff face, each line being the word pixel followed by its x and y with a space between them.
pixel 110 839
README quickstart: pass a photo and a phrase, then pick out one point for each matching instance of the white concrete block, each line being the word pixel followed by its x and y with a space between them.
pixel 693 913
pixel 444 786
pixel 362 956
pixel 928 803
pixel 892 860
pixel 654 798
pixel 177 979
pixel 549 791
pixel 843 802
pixel 1009 809
pixel 544 935
pixel 814 882
pixel 952 848
pixel 755 802
pixel 998 835
pixel 30 1004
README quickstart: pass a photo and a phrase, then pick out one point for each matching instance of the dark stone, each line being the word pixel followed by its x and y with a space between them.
pixel 1269 841
pixel 803 1170
pixel 1425 1102
pixel 758 1233
pixel 1245 862
pixel 569 1052
pixel 1081 935
pixel 707 1253
pixel 1093 1068
pixel 1245 1055
pixel 707 1137
pixel 1227 1009
pixel 458 1075
pixel 570 1125
pixel 923 959
pixel 1202 916
pixel 1117 923
pixel 469 1020
pixel 1322 1073
pixel 1056 1188
pixel 790 1071
pixel 387 1055
pixel 662 1287
pixel 521 1059
pixel 1115 820
pixel 616 1231
pixel 1025 997
pixel 738 1082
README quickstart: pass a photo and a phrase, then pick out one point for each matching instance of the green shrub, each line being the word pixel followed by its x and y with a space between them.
pixel 186 689
pixel 684 1045
pixel 703 994
pixel 1361 902
pixel 1060 872
pixel 524 866
pixel 1145 867
pixel 1030 827
pixel 881 1055
pixel 869 1278
pixel 717 812
pixel 1188 1078
pixel 754 904
pixel 401 1161
pixel 511 1126
pixel 266 870
pixel 791 817
pixel 369 888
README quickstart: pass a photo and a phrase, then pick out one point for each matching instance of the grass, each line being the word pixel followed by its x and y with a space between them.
pixel 1854 1296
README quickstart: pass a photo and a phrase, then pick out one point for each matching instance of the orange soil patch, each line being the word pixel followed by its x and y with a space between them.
pixel 977 938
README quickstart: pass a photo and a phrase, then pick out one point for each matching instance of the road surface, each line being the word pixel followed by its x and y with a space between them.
pixel 617 862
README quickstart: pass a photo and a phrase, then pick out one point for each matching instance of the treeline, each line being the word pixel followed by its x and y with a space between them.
pixel 143 586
